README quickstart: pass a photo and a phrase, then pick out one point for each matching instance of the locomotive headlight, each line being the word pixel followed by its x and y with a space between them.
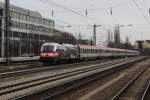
pixel 56 53
pixel 50 54
pixel 43 54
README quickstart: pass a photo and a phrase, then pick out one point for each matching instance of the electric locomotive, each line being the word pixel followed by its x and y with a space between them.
pixel 54 52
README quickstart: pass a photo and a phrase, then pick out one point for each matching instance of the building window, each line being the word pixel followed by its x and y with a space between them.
pixel 51 23
pixel 40 21
pixel 1 12
pixel 30 36
pixel 16 34
pixel 30 18
pixel 23 35
pixel 46 22
pixel 22 16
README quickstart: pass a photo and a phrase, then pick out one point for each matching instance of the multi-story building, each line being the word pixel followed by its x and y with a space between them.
pixel 27 32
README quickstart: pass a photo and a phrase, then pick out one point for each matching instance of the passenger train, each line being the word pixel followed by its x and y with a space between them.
pixel 67 52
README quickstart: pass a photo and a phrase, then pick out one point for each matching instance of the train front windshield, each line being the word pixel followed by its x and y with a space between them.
pixel 47 48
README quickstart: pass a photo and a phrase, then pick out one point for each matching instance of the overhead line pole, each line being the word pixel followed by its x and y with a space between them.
pixel 6 32
pixel 94 33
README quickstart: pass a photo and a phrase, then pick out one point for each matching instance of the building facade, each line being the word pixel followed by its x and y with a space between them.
pixel 28 31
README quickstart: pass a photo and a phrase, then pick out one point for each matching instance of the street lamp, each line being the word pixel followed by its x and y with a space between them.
pixel 64 26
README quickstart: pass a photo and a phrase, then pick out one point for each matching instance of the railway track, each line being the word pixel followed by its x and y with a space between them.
pixel 40 68
pixel 38 64
pixel 31 88
pixel 118 96
pixel 128 91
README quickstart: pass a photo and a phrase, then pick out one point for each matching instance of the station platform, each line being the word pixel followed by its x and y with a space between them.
pixel 21 59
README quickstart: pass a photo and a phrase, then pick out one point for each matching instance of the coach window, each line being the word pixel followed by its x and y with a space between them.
pixel 107 51
pixel 80 50
pixel 84 50
pixel 99 50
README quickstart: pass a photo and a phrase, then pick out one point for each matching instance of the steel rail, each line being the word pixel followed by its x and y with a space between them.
pixel 116 97
pixel 146 91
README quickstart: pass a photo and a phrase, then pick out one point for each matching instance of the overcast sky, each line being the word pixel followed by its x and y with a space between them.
pixel 72 12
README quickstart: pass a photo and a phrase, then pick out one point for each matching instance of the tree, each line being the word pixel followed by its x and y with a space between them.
pixel 109 39
pixel 127 42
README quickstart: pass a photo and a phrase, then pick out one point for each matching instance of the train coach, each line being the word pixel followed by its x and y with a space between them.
pixel 89 52
pixel 54 52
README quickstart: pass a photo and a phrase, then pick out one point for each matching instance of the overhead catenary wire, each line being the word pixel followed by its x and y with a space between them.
pixel 69 9
pixel 100 8
pixel 140 10
pixel 75 12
